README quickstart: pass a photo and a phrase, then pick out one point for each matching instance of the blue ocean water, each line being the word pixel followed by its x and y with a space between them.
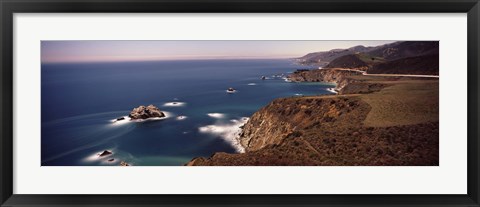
pixel 81 101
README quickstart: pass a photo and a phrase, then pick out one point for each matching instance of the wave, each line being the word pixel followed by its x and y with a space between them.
pixel 332 90
pixel 252 84
pixel 174 104
pixel 103 140
pixel 96 156
pixel 286 79
pixel 125 120
pixel 216 115
pixel 230 132
pixel 117 156
pixel 181 117
pixel 104 132
pixel 80 117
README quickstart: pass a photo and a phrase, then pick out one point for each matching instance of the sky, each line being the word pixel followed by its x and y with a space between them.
pixel 120 51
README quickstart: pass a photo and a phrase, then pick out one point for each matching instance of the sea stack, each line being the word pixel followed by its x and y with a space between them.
pixel 145 112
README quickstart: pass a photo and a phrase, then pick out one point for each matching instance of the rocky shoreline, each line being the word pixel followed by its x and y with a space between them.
pixel 334 75
pixel 339 129
pixel 347 81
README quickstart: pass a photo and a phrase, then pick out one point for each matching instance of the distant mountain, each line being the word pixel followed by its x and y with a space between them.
pixel 348 61
pixel 323 58
pixel 398 50
pixel 409 57
pixel 419 65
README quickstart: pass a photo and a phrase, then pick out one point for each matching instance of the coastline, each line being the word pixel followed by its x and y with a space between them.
pixel 274 133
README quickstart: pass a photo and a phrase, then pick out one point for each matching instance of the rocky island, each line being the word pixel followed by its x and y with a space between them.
pixel 146 112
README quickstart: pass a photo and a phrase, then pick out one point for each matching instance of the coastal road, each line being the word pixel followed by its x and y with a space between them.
pixel 391 75
pixel 403 75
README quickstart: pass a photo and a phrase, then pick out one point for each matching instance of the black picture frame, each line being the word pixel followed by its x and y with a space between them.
pixel 10 7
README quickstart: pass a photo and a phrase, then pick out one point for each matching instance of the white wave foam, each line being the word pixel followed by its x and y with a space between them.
pixel 252 84
pixel 167 115
pixel 174 104
pixel 96 156
pixel 181 117
pixel 332 90
pixel 117 156
pixel 119 132
pixel 127 119
pixel 230 132
pixel 216 115
pixel 298 94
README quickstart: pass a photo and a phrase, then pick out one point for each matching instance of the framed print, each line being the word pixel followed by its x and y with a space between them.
pixel 264 103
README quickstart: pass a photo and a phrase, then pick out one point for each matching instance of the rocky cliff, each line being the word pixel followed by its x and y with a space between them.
pixel 398 126
pixel 342 77
pixel 287 117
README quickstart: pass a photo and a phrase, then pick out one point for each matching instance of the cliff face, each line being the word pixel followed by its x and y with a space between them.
pixel 274 134
pixel 344 78
pixel 266 128
pixel 287 117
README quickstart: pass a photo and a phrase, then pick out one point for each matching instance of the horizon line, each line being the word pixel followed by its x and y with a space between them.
pixel 158 60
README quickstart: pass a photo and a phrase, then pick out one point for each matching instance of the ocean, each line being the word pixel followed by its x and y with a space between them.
pixel 80 102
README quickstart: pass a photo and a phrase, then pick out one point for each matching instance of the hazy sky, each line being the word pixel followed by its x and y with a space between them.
pixel 105 51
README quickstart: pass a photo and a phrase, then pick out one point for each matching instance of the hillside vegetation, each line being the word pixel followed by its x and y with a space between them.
pixel 409 57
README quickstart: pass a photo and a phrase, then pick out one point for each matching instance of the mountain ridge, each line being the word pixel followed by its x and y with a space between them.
pixel 400 57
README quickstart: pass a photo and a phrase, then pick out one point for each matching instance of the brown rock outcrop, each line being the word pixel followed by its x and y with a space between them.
pixel 145 112
pixel 288 116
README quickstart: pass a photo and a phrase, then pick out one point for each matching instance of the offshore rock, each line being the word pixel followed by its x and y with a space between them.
pixel 143 112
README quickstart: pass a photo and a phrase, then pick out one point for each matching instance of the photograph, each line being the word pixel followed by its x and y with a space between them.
pixel 239 103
